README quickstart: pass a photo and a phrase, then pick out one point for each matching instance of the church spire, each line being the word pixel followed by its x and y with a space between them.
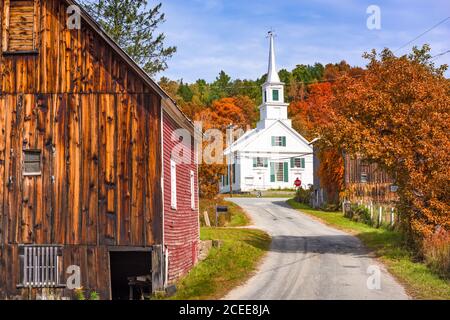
pixel 273 107
pixel 272 74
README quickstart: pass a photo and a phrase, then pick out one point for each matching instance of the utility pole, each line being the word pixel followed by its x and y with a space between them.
pixel 230 157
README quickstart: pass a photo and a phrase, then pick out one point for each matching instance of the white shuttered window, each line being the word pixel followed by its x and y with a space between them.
pixel 192 190
pixel 173 184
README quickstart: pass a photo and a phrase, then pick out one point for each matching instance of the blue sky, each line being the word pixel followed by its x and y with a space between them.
pixel 229 35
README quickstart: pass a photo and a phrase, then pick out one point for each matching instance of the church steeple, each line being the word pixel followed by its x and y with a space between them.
pixel 273 107
pixel 272 74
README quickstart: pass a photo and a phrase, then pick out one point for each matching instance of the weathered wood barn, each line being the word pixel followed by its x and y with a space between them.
pixel 366 182
pixel 88 178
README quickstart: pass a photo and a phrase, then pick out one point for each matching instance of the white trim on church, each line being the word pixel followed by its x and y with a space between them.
pixel 273 155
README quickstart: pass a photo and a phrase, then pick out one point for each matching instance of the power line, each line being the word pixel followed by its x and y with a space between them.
pixel 422 34
pixel 439 55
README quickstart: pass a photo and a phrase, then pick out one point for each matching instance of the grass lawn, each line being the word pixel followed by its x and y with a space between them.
pixel 419 281
pixel 225 267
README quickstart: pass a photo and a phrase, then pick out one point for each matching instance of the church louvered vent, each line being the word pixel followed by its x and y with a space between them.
pixel 40 265
pixel 21 26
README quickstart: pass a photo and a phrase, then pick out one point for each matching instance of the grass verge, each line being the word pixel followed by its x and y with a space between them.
pixel 236 216
pixel 225 267
pixel 388 245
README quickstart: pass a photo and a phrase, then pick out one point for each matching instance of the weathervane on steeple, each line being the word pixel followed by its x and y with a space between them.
pixel 271 33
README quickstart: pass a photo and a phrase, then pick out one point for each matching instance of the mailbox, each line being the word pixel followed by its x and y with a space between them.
pixel 222 209
pixel 219 210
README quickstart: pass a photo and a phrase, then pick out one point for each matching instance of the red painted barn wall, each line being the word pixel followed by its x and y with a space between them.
pixel 181 226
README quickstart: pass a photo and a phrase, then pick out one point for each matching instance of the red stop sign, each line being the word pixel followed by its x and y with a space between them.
pixel 298 182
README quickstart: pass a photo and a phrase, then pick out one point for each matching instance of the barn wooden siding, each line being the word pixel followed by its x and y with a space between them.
pixel 377 189
pixel 98 126
pixel 181 225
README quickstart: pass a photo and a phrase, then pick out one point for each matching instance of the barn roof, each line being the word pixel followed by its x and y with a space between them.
pixel 131 63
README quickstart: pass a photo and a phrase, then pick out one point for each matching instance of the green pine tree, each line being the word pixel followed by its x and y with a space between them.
pixel 132 24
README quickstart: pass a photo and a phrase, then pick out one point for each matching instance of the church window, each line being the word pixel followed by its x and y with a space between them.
pixel 259 162
pixel 279 172
pixel 275 95
pixel 278 141
pixel 298 163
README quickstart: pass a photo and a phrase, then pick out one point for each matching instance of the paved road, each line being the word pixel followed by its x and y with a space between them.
pixel 308 260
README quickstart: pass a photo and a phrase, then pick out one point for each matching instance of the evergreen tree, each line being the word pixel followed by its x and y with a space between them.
pixel 285 76
pixel 185 92
pixel 132 25
pixel 221 86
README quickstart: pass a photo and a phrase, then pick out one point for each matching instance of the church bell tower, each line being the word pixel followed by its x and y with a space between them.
pixel 273 107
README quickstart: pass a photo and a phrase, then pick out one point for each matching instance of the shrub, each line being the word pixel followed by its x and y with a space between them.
pixel 360 214
pixel 303 196
pixel 80 294
pixel 436 250
pixel 94 295
pixel 331 207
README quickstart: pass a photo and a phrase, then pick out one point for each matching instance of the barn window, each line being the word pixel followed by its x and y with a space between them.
pixel 40 266
pixel 192 176
pixel 32 162
pixel 173 184
pixel 363 177
pixel 20 27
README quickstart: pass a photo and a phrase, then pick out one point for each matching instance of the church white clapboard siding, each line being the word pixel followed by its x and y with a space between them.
pixel 273 155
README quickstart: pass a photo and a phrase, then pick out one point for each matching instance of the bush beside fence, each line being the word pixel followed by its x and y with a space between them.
pixel 372 214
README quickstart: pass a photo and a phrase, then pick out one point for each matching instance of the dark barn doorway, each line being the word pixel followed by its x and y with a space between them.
pixel 125 265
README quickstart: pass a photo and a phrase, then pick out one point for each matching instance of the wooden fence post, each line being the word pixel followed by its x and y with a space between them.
pixel 371 211
pixel 206 217
pixel 392 216
pixel 380 215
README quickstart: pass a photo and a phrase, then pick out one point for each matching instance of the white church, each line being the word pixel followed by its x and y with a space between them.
pixel 273 155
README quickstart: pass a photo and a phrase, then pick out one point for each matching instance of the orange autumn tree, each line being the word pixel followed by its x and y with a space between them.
pixel 308 116
pixel 398 116
pixel 222 113
pixel 331 172
pixel 209 174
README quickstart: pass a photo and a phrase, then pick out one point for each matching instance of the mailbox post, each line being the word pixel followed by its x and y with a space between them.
pixel 219 210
